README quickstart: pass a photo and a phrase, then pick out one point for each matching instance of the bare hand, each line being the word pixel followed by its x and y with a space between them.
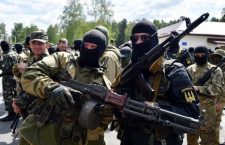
pixel 22 66
pixel 219 107
pixel 16 108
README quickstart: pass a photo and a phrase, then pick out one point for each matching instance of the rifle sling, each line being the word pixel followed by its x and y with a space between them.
pixel 156 84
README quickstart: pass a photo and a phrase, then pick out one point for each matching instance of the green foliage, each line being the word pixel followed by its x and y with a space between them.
pixel 19 32
pixel 2 28
pixel 121 35
pixel 53 33
pixel 101 10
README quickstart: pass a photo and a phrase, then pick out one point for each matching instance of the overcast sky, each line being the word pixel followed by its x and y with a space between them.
pixel 45 12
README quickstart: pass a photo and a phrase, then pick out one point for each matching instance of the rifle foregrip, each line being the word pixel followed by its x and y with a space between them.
pixel 115 99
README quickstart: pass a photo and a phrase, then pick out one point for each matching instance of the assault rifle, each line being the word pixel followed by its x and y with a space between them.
pixel 207 75
pixel 129 106
pixel 134 71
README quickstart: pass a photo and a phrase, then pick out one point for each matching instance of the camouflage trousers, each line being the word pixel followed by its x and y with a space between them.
pixel 9 92
pixel 208 131
pixel 218 120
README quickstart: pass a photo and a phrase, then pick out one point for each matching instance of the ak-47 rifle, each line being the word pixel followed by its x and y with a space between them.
pixel 134 71
pixel 149 112
pixel 208 75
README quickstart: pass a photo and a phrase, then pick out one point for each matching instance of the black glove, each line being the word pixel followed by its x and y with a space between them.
pixel 61 96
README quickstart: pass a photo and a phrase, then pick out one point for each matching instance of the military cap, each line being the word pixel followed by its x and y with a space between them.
pixel 39 36
pixel 218 54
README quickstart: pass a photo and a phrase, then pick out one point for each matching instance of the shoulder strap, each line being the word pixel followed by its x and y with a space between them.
pixel 156 83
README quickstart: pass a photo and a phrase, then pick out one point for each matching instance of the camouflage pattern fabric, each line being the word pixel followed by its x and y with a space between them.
pixel 8 80
pixel 37 80
pixel 111 61
pixel 207 96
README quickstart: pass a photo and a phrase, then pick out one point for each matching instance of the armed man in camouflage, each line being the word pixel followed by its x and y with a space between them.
pixel 111 59
pixel 54 119
pixel 208 94
pixel 38 45
pixel 8 82
pixel 215 58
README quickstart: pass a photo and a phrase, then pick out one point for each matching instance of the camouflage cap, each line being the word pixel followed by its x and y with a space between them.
pixel 39 36
pixel 217 56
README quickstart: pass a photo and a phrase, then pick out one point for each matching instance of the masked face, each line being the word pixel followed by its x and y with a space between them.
pixel 89 55
pixel 201 58
pixel 142 43
pixel 92 48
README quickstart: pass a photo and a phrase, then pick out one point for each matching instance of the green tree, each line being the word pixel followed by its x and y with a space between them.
pixel 2 28
pixel 17 32
pixel 29 29
pixel 53 33
pixel 71 18
pixel 121 35
pixel 101 10
pixel 214 19
pixel 3 34
pixel 160 24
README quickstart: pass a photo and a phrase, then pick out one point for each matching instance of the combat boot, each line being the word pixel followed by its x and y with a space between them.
pixel 10 117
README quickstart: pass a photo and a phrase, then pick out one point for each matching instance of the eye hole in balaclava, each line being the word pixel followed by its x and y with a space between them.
pixel 90 57
pixel 143 26
pixel 201 55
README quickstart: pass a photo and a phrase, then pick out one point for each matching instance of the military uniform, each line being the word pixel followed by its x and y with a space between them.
pixel 22 98
pixel 41 79
pixel 8 81
pixel 111 61
pixel 173 91
pixel 52 65
pixel 215 58
pixel 208 94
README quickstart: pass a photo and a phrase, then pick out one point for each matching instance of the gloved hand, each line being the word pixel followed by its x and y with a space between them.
pixel 61 96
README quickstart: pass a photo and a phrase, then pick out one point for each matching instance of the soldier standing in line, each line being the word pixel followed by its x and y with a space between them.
pixel 38 45
pixel 215 58
pixel 10 58
pixel 208 94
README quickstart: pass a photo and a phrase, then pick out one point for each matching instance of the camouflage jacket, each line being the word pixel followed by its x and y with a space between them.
pixel 214 86
pixel 111 61
pixel 9 59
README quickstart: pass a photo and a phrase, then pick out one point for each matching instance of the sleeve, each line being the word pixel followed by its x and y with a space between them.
pixel 112 64
pixel 214 86
pixel 181 94
pixel 36 80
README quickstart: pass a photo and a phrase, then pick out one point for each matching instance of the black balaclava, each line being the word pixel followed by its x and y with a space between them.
pixel 90 57
pixel 77 44
pixel 201 60
pixel 5 46
pixel 18 47
pixel 143 26
pixel 174 49
pixel 105 31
